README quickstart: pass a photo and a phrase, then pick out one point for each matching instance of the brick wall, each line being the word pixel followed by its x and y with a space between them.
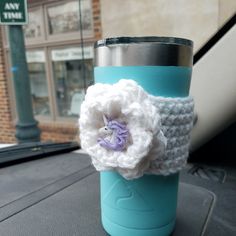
pixel 53 131
pixel 97 19
pixel 59 132
pixel 6 125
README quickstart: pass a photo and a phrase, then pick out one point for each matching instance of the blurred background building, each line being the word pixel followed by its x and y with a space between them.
pixel 59 50
pixel 59 69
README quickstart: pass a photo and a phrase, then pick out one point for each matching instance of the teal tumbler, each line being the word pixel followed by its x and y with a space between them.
pixel 162 66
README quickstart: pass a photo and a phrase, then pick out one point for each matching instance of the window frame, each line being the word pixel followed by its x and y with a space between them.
pixel 47 44
pixel 51 115
pixel 42 38
pixel 57 116
pixel 65 36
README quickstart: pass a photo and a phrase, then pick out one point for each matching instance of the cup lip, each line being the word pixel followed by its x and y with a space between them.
pixel 145 39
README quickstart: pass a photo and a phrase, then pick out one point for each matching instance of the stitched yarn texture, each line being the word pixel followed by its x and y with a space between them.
pixel 158 129
pixel 177 122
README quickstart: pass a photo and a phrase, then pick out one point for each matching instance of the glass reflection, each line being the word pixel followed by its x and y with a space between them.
pixel 38 82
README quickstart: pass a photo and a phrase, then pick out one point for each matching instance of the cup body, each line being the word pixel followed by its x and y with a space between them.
pixel 162 66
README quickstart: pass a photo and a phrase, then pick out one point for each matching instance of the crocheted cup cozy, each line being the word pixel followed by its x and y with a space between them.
pixel 123 128
pixel 176 121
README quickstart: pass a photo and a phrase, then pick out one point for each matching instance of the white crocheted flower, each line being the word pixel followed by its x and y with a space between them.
pixel 118 127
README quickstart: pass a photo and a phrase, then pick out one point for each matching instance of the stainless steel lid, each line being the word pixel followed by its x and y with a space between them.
pixel 144 51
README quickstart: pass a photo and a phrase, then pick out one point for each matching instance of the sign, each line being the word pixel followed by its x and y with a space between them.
pixel 35 56
pixel 72 54
pixel 13 12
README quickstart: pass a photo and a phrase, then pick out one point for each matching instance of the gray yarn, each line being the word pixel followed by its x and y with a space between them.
pixel 177 122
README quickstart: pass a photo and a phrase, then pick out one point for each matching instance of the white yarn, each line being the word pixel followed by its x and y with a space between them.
pixel 159 129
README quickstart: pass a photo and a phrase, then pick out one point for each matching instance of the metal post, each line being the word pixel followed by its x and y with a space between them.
pixel 82 46
pixel 26 126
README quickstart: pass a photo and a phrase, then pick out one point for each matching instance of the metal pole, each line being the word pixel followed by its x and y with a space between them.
pixel 82 46
pixel 26 126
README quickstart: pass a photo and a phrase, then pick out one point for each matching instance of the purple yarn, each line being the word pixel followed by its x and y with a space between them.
pixel 120 135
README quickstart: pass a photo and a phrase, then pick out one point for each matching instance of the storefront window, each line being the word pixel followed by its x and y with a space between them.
pixel 59 71
pixel 38 82
pixel 72 75
pixel 65 18
pixel 33 30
